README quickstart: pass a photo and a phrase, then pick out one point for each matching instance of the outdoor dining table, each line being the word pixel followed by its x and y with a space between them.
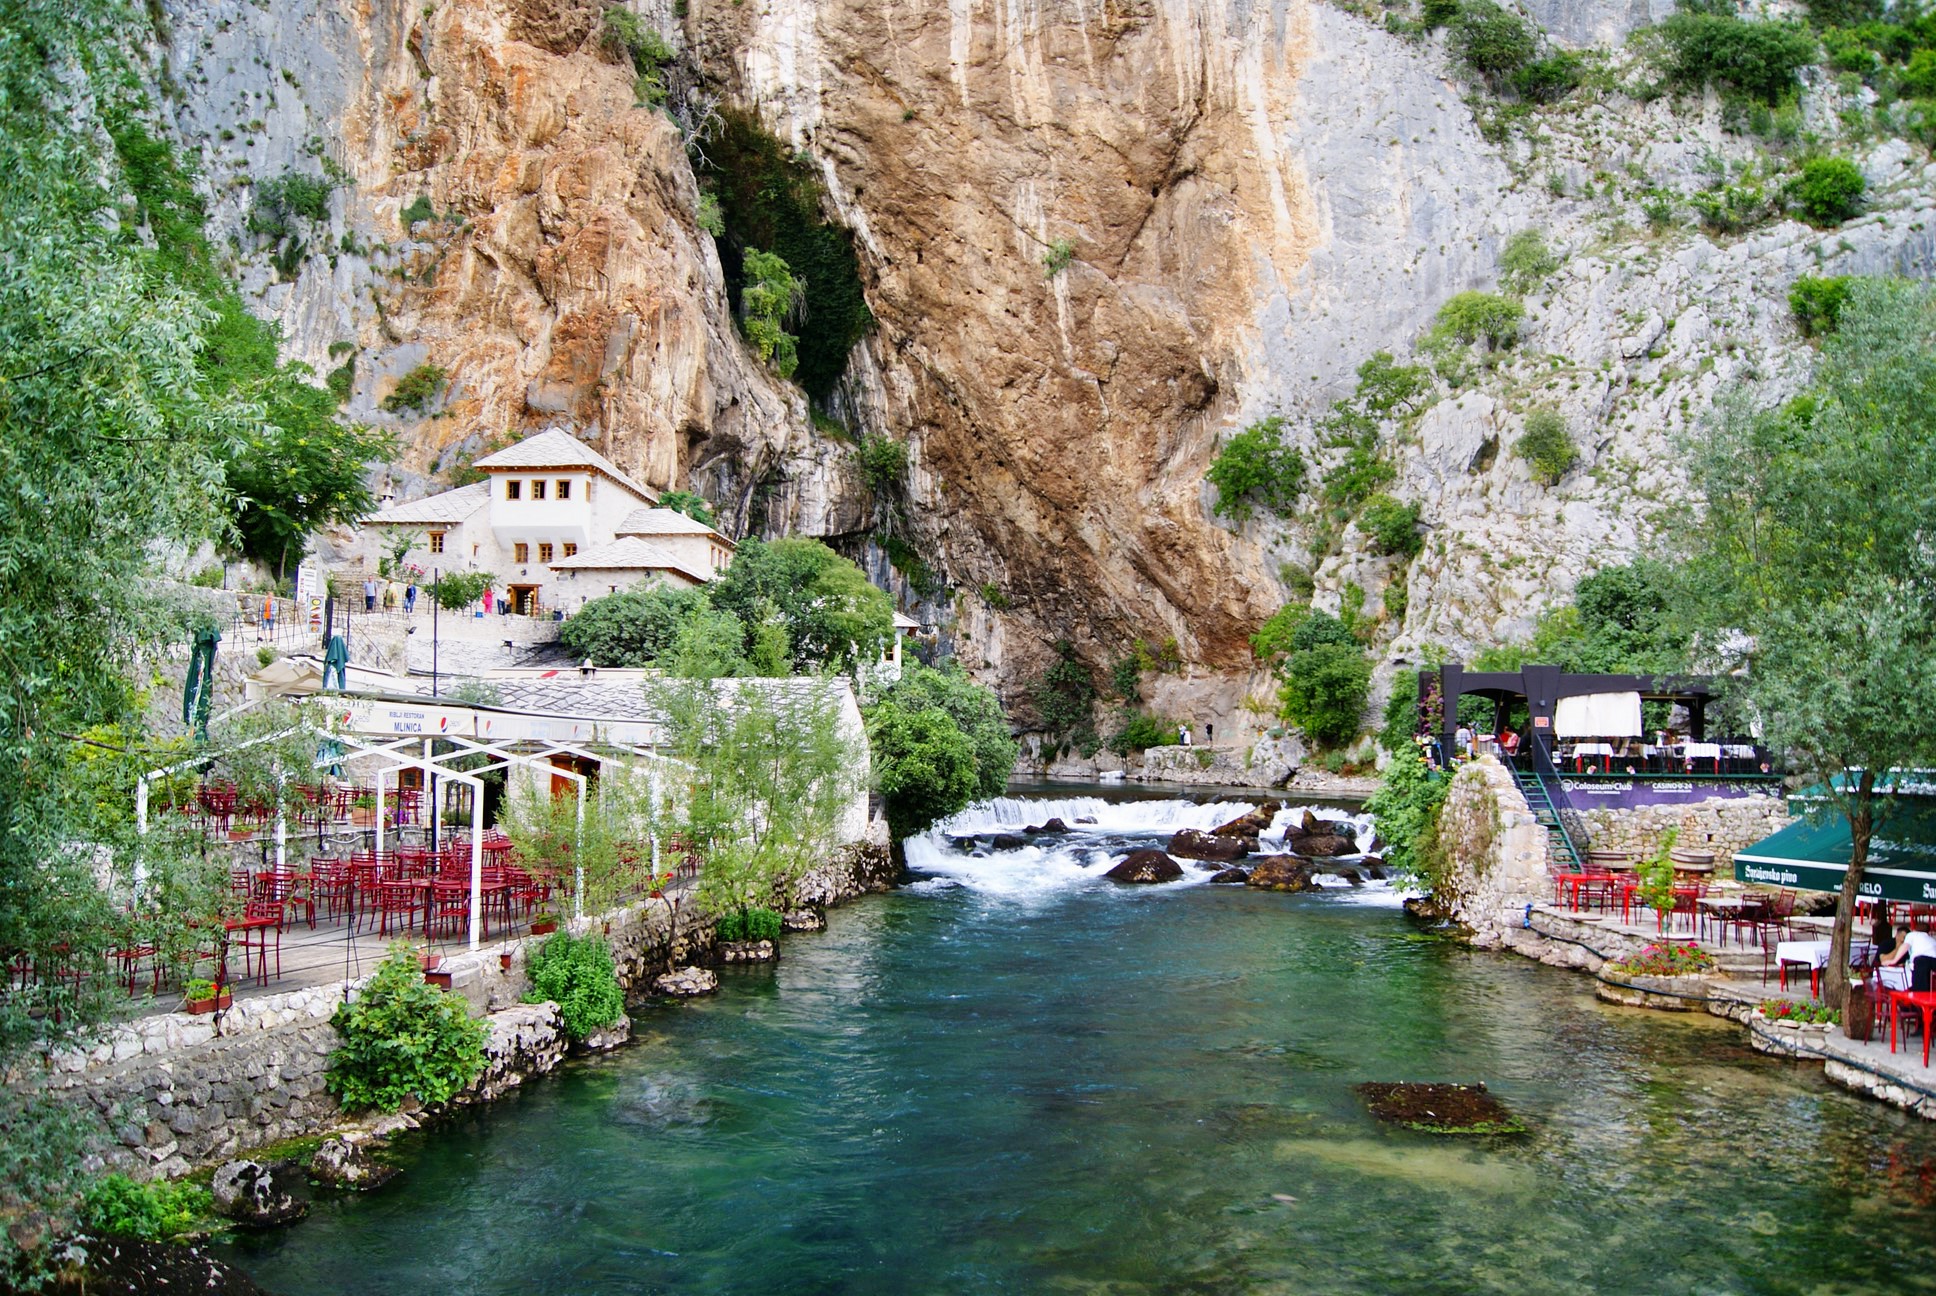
pixel 1733 911
pixel 1691 752
pixel 1582 751
pixel 1814 954
pixel 1924 1002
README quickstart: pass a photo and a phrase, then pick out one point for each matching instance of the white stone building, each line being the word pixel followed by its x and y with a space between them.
pixel 558 524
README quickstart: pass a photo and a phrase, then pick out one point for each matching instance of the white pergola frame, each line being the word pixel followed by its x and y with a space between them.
pixel 397 752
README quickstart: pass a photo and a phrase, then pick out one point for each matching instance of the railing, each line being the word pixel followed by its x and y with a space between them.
pixel 1540 764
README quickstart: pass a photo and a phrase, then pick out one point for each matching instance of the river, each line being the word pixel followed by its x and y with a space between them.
pixel 1014 1076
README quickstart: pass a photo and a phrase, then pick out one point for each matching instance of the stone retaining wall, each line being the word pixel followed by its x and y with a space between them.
pixel 1720 824
pixel 174 1091
pixel 1495 854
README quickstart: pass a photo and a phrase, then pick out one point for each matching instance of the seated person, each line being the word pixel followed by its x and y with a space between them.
pixel 1509 742
pixel 1919 948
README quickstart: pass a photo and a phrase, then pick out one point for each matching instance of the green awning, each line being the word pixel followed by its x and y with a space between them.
pixel 1814 856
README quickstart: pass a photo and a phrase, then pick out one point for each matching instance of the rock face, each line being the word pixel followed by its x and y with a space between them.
pixel 1281 873
pixel 250 1193
pixel 1146 866
pixel 1192 844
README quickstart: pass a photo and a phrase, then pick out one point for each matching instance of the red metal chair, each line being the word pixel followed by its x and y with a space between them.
pixel 399 899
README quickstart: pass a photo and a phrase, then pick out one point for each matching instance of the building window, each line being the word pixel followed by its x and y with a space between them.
pixel 564 489
pixel 436 542
pixel 544 552
pixel 537 489
pixel 521 552
pixel 571 549
pixel 513 489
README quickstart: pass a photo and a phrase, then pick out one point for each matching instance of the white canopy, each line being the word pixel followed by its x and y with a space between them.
pixel 1598 715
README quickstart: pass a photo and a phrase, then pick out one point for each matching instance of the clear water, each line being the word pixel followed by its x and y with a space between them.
pixel 972 1087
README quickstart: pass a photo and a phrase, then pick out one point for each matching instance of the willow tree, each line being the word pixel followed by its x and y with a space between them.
pixel 1812 575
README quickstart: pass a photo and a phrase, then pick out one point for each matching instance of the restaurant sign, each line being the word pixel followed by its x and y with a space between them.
pixel 405 719
pixel 1876 884
pixel 1630 793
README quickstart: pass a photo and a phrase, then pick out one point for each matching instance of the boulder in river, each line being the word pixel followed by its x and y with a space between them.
pixel 347 1165
pixel 1281 873
pixel 1008 841
pixel 253 1193
pixel 1231 874
pixel 1052 826
pixel 1322 845
pixel 1192 844
pixel 1146 866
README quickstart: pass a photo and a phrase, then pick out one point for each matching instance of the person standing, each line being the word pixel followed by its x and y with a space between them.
pixel 1463 740
pixel 1183 734
pixel 410 599
pixel 369 594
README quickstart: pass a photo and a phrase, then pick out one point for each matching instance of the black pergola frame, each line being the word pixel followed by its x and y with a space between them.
pixel 1543 686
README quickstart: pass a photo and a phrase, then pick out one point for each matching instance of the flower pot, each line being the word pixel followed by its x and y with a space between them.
pixel 430 962
pixel 439 979
pixel 220 1003
pixel 544 928
pixel 504 962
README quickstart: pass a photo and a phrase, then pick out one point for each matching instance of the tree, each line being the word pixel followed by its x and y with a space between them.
pixel 1547 446
pixel 1324 691
pixel 1758 59
pixel 457 590
pixel 1256 467
pixel 1810 570
pixel 1065 699
pixel 1816 303
pixel 300 470
pixel 770 301
pixel 1526 263
pixel 693 506
pixel 924 766
pixel 631 628
pixel 1492 41
pixel 1471 317
pixel 1393 527
pixel 708 644
pixel 832 615
pixel 975 710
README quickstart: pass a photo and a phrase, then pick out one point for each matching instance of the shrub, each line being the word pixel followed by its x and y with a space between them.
pixel 415 390
pixel 291 196
pixel 341 379
pixel 1256 467
pixel 1546 80
pixel 924 765
pixel 1065 698
pixel 1807 1014
pixel 1817 302
pixel 1547 446
pixel 1846 51
pixel 455 591
pixel 1758 59
pixel 1324 691
pixel 692 505
pixel 1917 80
pixel 1525 264
pixel 1472 317
pixel 1393 527
pixel 883 462
pixel 1140 731
pixel 1493 41
pixel 1730 209
pixel 1405 807
pixel 419 210
pixel 754 924
pixel 117 1206
pixel 625 32
pixel 578 975
pixel 1439 13
pixel 402 1038
pixel 1058 258
pixel 770 300
pixel 1829 190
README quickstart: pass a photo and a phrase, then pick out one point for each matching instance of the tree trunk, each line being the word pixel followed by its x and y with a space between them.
pixel 1861 812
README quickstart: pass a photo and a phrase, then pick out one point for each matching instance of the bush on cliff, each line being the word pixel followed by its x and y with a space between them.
pixel 578 975
pixel 403 1038
pixel 1405 809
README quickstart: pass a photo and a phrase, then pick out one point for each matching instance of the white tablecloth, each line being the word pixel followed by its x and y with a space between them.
pixel 1702 751
pixel 1815 953
pixel 1592 749
pixel 1894 978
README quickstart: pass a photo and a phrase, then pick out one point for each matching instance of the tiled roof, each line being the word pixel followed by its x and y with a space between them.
pixel 556 448
pixel 629 553
pixel 664 522
pixel 446 506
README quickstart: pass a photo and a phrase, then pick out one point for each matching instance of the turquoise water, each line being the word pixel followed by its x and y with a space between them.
pixel 1096 1090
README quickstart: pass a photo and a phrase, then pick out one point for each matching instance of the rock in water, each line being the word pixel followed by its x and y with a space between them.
pixel 1146 866
pixel 1282 873
pixel 803 920
pixel 1440 1108
pixel 248 1191
pixel 687 982
pixel 1231 875
pixel 1052 826
pixel 1007 841
pixel 1324 845
pixel 346 1165
pixel 1192 844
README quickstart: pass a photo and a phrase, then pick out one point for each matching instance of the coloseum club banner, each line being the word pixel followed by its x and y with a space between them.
pixel 1617 793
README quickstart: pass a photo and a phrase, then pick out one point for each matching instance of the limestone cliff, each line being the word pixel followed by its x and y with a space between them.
pixel 1251 198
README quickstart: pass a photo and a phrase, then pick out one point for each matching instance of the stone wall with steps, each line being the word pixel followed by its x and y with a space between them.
pixel 1722 825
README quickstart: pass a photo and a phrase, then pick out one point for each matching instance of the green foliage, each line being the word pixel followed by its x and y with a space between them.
pixel 1065 698
pixel 772 198
pixel 626 33
pixel 883 462
pixel 290 198
pixel 1619 623
pixel 924 766
pixel 1733 208
pixel 755 924
pixel 1829 190
pixel 1058 258
pixel 1439 13
pixel 1817 302
pixel 418 211
pixel 1256 467
pixel 44 1143
pixel 1139 731
pixel 632 628
pixel 1324 690
pixel 1918 78
pixel 1526 263
pixel 1843 13
pixel 1405 809
pixel 577 974
pixel 1126 678
pixel 117 1206
pixel 1494 42
pixel 712 643
pixel 416 390
pixel 1387 389
pixel 769 774
pixel 1756 59
pixel 298 471
pixel 1547 446
pixel 1474 317
pixel 709 216
pixel 1664 959
pixel 1393 527
pixel 907 560
pixel 975 710
pixel 1401 713
pixel 400 1038
pixel 1549 79
pixel 995 596
pixel 692 505
pixel 1274 640
pixel 831 614
pixel 1806 1014
pixel 341 380
pixel 770 299
pixel 1656 874
pixel 457 590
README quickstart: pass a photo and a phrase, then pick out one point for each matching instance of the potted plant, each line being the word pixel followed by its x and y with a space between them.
pixel 363 809
pixel 203 996
pixel 543 923
pixel 428 961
